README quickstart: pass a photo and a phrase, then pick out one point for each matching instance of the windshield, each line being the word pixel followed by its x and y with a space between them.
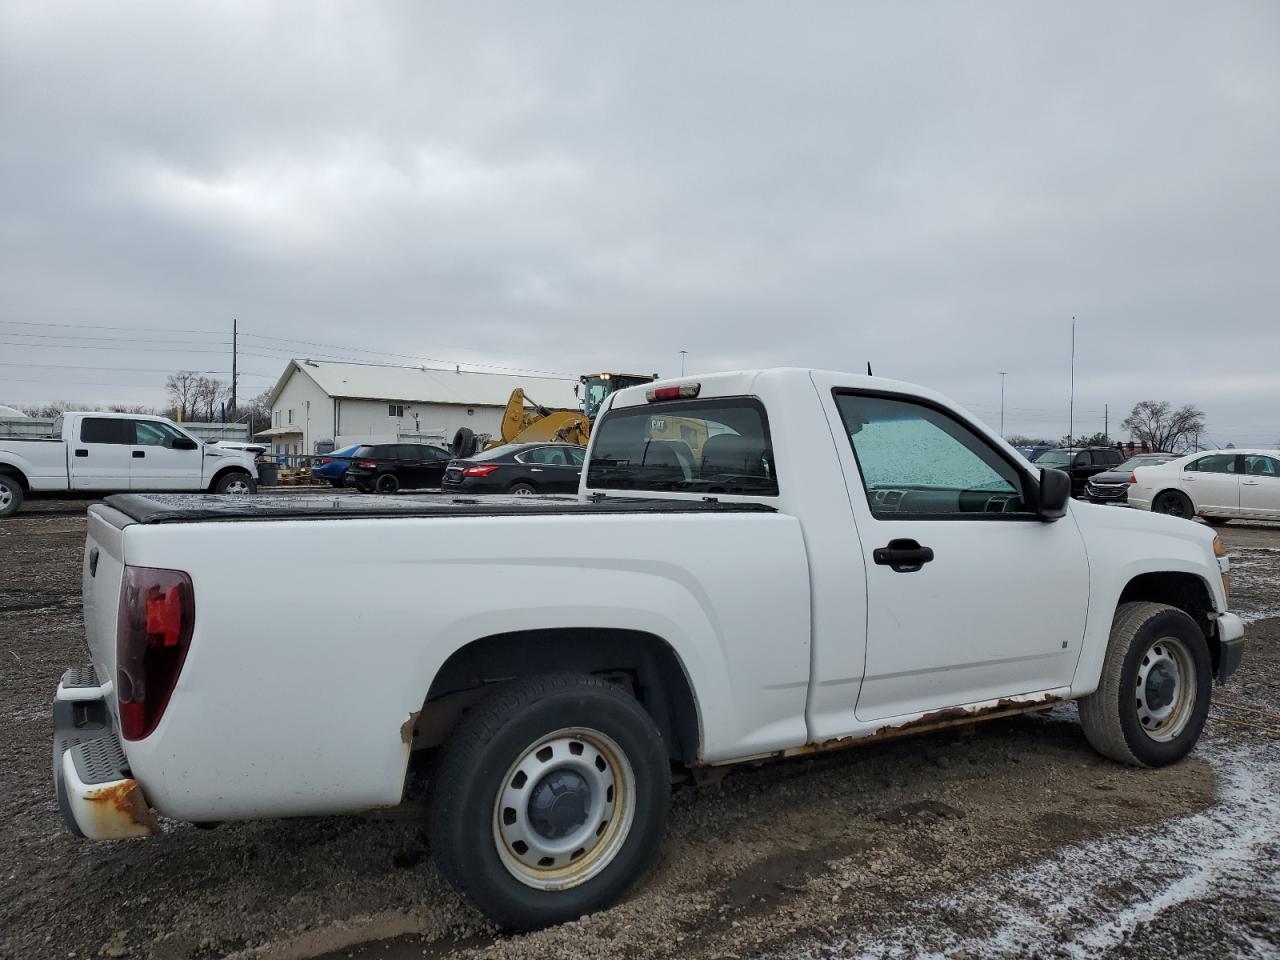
pixel 1051 457
pixel 699 446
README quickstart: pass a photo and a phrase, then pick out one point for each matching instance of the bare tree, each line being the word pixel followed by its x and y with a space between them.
pixel 257 412
pixel 1158 426
pixel 1020 440
pixel 183 388
pixel 208 393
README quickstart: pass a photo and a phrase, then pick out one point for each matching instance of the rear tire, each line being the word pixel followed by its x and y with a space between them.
pixel 464 443
pixel 337 483
pixel 522 490
pixel 1157 680
pixel 236 484
pixel 573 765
pixel 11 496
pixel 387 483
pixel 1217 521
pixel 1175 504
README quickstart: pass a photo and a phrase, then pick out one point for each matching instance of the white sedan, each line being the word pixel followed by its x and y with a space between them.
pixel 1219 485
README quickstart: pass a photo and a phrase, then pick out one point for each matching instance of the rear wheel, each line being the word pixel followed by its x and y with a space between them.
pixel 1217 521
pixel 10 495
pixel 337 483
pixel 236 484
pixel 1153 698
pixel 550 800
pixel 1174 503
pixel 387 483
pixel 522 490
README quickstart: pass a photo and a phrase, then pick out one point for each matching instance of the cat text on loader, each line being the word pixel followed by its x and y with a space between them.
pixel 536 423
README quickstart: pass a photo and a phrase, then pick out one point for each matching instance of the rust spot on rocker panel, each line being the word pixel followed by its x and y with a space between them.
pixel 120 811
pixel 934 720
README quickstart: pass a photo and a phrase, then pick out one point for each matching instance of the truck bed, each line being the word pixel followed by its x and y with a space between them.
pixel 153 508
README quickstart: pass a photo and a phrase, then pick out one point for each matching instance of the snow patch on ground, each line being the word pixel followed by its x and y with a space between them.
pixel 1090 897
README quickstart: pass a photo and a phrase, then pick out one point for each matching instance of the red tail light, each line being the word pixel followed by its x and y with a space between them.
pixel 153 632
pixel 480 471
pixel 367 464
pixel 1133 478
pixel 323 460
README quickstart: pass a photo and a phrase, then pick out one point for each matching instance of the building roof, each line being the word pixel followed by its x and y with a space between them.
pixel 428 385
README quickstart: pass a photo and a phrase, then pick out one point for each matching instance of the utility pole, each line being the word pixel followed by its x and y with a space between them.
pixel 683 354
pixel 1106 421
pixel 1003 374
pixel 1071 401
pixel 235 336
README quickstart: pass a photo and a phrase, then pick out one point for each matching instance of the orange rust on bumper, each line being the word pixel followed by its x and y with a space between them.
pixel 120 811
pixel 935 720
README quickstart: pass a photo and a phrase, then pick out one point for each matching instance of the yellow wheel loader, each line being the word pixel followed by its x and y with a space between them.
pixel 536 423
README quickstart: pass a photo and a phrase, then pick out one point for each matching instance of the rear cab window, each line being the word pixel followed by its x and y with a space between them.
pixel 714 446
pixel 106 430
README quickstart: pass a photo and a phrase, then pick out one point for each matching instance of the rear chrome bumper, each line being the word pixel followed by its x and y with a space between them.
pixel 97 796
pixel 1230 644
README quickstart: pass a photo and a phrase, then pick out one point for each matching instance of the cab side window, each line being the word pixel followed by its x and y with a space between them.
pixel 918 462
pixel 149 433
pixel 105 430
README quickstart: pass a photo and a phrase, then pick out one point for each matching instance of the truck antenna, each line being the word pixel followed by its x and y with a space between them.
pixel 869 373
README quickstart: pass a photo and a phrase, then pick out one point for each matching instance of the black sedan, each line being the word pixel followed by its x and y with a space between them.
pixel 388 467
pixel 517 468
pixel 1112 486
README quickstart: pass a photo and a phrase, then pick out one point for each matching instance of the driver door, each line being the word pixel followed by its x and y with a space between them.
pixel 998 607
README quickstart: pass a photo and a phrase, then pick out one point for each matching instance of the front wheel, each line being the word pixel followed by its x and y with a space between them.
pixel 550 800
pixel 236 484
pixel 1157 679
pixel 1174 503
pixel 10 495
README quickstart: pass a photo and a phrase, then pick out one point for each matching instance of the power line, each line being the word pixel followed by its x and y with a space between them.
pixel 103 326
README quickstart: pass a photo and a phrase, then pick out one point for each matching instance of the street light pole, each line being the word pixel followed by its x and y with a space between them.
pixel 1003 374
pixel 683 354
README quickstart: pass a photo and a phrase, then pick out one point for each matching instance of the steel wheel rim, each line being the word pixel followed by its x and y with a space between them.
pixel 1173 507
pixel 1165 689
pixel 558 863
pixel 236 487
pixel 522 492
pixel 6 496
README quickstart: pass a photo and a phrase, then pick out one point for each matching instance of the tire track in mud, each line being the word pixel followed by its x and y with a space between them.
pixel 1097 898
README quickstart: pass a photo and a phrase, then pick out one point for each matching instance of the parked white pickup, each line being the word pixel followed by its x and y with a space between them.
pixel 107 452
pixel 757 565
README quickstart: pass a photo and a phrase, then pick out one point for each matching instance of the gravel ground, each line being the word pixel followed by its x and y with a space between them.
pixel 1006 839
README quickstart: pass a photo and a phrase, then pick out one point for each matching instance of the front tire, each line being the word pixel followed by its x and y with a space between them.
pixel 1175 504
pixel 1157 680
pixel 550 800
pixel 236 484
pixel 10 495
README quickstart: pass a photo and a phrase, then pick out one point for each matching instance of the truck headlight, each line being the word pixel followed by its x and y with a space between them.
pixel 1224 564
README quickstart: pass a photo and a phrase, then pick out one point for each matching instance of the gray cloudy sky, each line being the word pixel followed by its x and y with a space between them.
pixel 936 188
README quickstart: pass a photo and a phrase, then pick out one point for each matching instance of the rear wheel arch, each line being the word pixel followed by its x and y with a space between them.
pixel 11 471
pixel 642 663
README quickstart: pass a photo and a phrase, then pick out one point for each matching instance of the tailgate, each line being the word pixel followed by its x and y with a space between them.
pixel 101 577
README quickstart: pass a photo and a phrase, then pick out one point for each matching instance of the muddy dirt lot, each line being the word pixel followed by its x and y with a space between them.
pixel 1007 839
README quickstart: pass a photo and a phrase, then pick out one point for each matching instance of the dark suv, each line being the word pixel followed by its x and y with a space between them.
pixel 388 467
pixel 1081 463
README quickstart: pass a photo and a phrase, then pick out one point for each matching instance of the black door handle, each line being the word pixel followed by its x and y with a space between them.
pixel 82 453
pixel 139 454
pixel 903 556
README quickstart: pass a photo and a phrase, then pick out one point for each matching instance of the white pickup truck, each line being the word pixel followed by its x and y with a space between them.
pixel 106 452
pixel 757 565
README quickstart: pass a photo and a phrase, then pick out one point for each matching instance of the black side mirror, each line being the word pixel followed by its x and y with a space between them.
pixel 1055 492
pixel 184 443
